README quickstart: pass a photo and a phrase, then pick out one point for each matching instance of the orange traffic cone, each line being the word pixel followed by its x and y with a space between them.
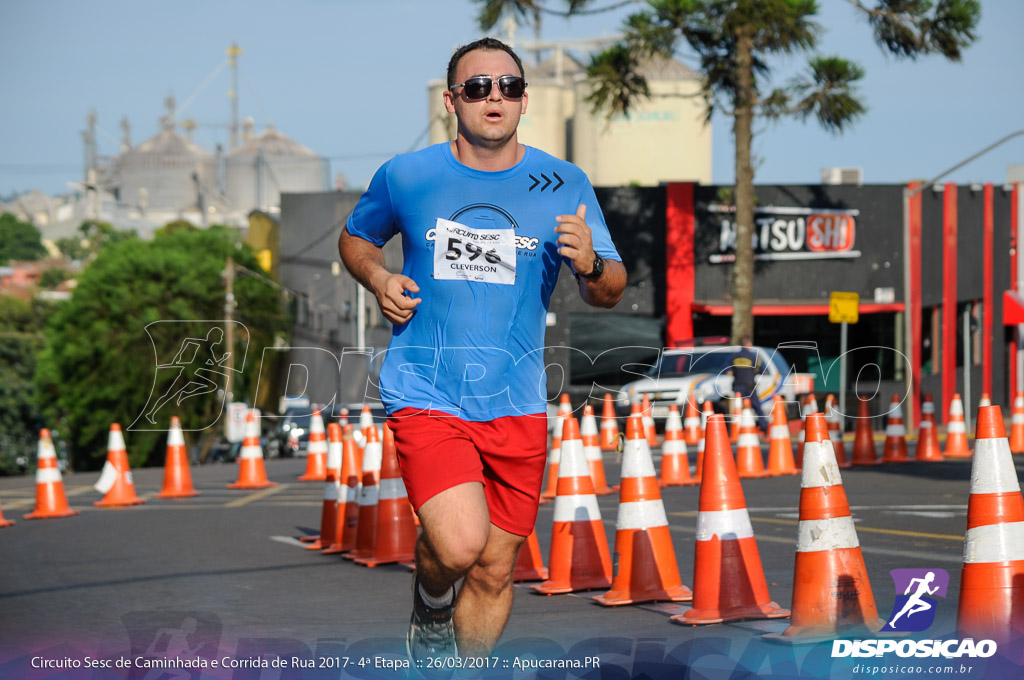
pixel 579 557
pixel 365 424
pixel 343 418
pixel 992 580
pixel 396 528
pixel 927 438
pixel 332 489
pixel 956 430
pixel 347 523
pixel 4 522
pixel 251 472
pixel 831 591
pixel 707 411
pixel 675 465
pixel 177 475
pixel 728 579
pixel 592 450
pixel 984 401
pixel 649 429
pixel 609 426
pixel 554 453
pixel 316 451
pixel 645 561
pixel 864 452
pixel 749 462
pixel 835 430
pixel 810 406
pixel 895 450
pixel 116 482
pixel 50 499
pixel 780 450
pixel 369 495
pixel 529 565
pixel 735 413
pixel 1017 424
pixel 692 430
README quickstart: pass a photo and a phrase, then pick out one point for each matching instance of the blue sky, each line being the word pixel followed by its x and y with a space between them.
pixel 348 79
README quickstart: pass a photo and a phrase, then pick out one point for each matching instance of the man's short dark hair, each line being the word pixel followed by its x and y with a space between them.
pixel 481 44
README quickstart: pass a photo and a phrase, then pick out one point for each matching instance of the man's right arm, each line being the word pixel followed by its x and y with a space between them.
pixel 365 262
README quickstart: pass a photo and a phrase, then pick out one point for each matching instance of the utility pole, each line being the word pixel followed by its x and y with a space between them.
pixel 229 338
pixel 89 144
pixel 233 52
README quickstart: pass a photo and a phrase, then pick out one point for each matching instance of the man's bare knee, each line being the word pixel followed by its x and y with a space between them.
pixel 491 577
pixel 460 555
pixel 493 571
pixel 456 526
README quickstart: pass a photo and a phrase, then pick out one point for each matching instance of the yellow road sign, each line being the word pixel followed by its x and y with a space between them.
pixel 843 307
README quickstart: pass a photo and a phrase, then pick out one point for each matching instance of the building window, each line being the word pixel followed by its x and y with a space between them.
pixel 968 318
pixel 608 348
pixel 976 333
pixel 928 347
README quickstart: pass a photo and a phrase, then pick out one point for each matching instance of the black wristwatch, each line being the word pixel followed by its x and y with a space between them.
pixel 597 269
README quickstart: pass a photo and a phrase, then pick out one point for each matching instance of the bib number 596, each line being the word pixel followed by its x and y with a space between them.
pixel 472 250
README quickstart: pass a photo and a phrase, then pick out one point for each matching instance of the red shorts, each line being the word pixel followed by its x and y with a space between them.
pixel 507 455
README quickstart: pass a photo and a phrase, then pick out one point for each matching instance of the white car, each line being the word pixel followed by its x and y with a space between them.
pixel 704 372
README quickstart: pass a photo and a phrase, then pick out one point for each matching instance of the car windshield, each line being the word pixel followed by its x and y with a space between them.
pixel 298 420
pixel 676 364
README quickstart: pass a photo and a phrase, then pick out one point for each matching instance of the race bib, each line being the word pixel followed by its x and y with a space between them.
pixel 478 255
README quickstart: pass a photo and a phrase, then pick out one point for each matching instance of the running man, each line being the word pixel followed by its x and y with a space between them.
pixel 915 604
pixel 484 238
pixel 190 365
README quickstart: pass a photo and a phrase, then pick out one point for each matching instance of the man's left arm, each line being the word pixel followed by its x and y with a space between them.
pixel 576 243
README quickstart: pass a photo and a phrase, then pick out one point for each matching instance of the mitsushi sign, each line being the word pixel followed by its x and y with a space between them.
pixel 783 233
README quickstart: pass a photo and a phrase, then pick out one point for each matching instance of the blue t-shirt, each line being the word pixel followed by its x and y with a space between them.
pixel 474 346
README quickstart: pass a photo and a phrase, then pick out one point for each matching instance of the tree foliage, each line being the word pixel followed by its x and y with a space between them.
pixel 19 240
pixel 21 337
pixel 734 42
pixel 51 278
pixel 99 365
pixel 92 235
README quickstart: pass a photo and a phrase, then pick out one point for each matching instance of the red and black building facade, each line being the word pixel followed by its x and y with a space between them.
pixel 935 267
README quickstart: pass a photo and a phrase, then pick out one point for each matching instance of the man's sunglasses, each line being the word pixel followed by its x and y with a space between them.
pixel 511 87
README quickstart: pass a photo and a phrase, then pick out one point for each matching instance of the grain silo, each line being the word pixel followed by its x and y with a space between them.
pixel 268 164
pixel 166 172
pixel 663 138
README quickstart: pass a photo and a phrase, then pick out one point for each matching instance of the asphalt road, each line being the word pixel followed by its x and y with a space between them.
pixel 222 575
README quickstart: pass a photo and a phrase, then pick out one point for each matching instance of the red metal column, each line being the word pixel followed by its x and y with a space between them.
pixel 913 296
pixel 1014 243
pixel 679 262
pixel 987 299
pixel 949 315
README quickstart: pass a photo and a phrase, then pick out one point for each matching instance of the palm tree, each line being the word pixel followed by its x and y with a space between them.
pixel 733 40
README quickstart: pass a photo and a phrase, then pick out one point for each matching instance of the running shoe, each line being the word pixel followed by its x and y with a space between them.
pixel 431 638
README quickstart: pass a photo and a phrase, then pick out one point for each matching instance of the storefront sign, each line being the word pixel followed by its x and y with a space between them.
pixel 782 233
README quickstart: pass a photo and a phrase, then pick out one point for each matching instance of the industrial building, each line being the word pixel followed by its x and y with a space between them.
pixel 169 176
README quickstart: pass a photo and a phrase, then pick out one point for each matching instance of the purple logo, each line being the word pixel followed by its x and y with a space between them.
pixel 916 590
